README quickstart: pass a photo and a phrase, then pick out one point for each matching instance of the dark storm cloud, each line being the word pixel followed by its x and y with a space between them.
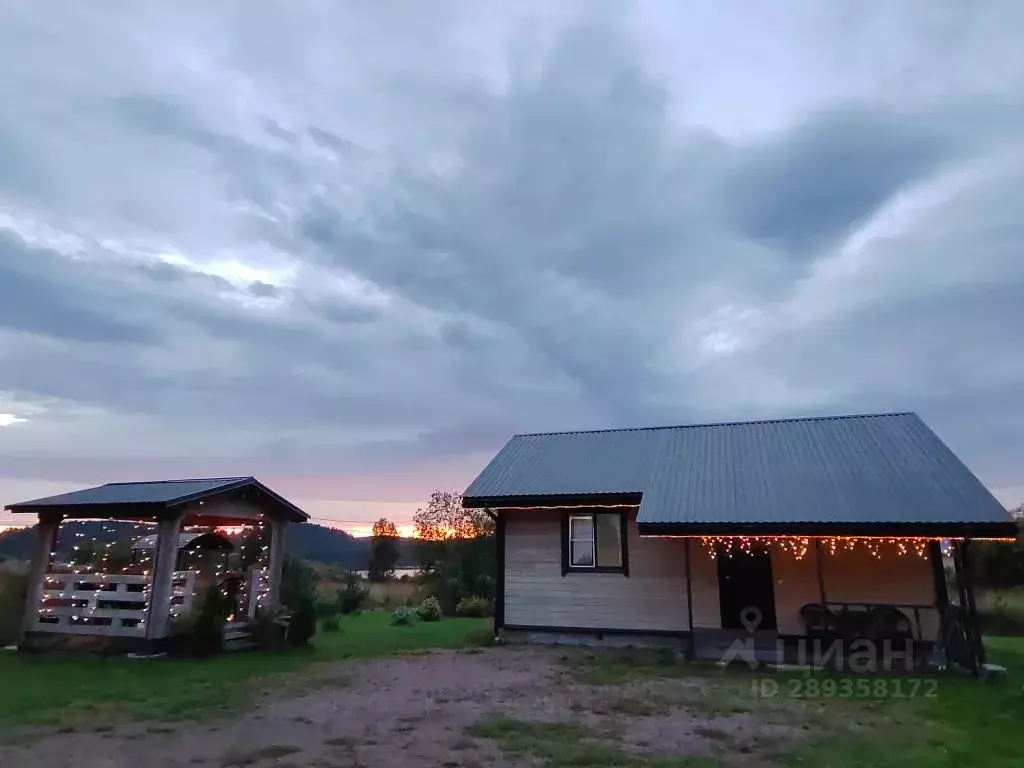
pixel 38 295
pixel 825 176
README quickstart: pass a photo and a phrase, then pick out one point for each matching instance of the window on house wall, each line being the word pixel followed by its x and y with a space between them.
pixel 594 542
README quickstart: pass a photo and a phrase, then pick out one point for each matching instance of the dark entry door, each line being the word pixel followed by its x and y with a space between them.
pixel 744 582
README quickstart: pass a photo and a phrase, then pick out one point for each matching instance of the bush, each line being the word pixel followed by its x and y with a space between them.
pixel 270 629
pixel 477 607
pixel 353 596
pixel 203 633
pixel 331 624
pixel 402 617
pixel 429 610
pixel 326 609
pixel 13 589
pixel 302 625
pixel 298 583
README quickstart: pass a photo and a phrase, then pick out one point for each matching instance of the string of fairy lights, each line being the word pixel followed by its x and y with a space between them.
pixel 105 561
pixel 799 546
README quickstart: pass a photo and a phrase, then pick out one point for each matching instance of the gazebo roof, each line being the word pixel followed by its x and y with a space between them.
pixel 152 497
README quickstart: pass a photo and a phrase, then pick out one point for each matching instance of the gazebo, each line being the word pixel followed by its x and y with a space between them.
pixel 131 606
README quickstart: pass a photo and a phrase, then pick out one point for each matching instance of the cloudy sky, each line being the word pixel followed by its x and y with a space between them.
pixel 351 247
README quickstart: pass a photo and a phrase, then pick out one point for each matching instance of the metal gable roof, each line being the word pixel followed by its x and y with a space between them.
pixel 571 463
pixel 887 468
pixel 157 492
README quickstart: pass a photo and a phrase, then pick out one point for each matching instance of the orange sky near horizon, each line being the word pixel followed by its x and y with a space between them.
pixel 355 529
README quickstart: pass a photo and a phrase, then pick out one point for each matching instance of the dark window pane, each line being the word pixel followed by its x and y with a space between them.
pixel 609 541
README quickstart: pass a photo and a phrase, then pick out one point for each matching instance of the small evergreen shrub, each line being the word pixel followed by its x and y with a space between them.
pixel 326 609
pixel 302 626
pixel 353 595
pixel 476 606
pixel 269 628
pixel 402 617
pixel 206 637
pixel 429 610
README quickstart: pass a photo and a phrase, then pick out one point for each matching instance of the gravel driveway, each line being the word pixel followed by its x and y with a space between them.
pixel 420 711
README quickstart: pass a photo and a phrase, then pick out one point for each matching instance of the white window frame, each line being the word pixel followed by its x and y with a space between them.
pixel 592 539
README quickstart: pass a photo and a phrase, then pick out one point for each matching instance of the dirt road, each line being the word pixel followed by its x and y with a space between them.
pixel 451 708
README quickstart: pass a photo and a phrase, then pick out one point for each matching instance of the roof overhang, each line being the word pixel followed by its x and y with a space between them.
pixel 950 530
pixel 156 510
pixel 555 501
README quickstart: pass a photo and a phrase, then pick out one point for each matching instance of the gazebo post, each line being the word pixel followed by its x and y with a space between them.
pixel 165 560
pixel 46 537
pixel 275 566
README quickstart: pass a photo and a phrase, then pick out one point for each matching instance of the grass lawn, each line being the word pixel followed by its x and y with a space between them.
pixel 966 723
pixel 60 691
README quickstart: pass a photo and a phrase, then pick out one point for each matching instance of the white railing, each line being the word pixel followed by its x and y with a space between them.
pixel 258 590
pixel 183 592
pixel 95 604
pixel 106 603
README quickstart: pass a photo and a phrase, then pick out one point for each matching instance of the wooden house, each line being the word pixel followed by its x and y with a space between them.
pixel 768 533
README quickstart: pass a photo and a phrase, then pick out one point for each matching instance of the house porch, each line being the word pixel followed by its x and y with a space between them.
pixel 824 593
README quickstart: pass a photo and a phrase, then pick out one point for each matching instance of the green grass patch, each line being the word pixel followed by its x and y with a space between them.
pixel 966 722
pixel 569 745
pixel 78 692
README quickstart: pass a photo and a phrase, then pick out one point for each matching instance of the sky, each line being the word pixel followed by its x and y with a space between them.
pixel 351 248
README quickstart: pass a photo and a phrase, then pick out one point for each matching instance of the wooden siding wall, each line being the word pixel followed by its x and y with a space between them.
pixel 652 597
pixel 856 576
pixel 796 585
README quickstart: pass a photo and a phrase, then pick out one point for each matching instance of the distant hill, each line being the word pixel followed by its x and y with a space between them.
pixel 308 540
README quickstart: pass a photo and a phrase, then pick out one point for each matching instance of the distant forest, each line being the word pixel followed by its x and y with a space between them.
pixel 308 541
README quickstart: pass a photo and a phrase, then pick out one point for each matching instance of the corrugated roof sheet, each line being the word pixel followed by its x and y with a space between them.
pixel 869 468
pixel 158 492
pixel 612 461
pixel 211 540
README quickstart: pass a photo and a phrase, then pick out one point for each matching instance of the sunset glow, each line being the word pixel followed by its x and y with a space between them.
pixel 406 530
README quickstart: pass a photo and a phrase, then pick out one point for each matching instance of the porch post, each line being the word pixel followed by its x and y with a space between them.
pixel 276 564
pixel 691 646
pixel 962 610
pixel 819 566
pixel 938 576
pixel 46 537
pixel 971 605
pixel 165 559
pixel 500 526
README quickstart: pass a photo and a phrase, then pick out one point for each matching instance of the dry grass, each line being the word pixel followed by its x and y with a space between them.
pixel 12 597
pixel 386 594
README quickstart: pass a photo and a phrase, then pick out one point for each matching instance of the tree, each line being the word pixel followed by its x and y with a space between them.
pixel 383 550
pixel 446 519
pixel 455 550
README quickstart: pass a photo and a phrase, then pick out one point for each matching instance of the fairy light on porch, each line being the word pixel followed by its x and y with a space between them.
pixel 798 546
